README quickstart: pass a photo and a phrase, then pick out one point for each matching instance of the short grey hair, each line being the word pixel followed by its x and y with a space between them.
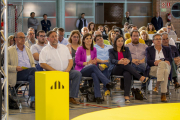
pixel 29 31
pixel 157 34
pixel 165 33
pixel 95 33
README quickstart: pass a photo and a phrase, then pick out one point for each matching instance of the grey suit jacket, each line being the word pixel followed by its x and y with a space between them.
pixel 13 63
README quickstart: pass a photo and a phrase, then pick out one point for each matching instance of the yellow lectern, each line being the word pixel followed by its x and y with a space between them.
pixel 52 95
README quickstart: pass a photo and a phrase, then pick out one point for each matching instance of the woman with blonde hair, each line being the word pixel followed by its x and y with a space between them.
pixel 142 28
pixel 74 42
pixel 145 37
pixel 111 36
pixel 11 41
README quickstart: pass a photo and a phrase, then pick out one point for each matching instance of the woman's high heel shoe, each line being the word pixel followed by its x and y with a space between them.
pixel 99 100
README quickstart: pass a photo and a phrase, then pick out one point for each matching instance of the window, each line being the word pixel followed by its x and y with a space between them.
pixel 176 10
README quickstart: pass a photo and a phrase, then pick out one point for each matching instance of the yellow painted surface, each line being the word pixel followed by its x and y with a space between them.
pixel 52 95
pixel 169 111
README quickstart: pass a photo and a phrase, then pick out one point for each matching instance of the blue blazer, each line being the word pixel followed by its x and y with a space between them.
pixel 46 26
pixel 157 24
pixel 113 57
pixel 151 54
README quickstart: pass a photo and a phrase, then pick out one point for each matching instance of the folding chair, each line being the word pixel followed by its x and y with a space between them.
pixel 14 91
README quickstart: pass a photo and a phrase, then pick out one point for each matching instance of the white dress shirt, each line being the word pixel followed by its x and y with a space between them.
pixel 56 58
pixel 159 55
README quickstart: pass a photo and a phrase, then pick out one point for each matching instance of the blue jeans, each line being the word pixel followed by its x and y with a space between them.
pixel 140 68
pixel 74 81
pixel 28 75
pixel 105 71
pixel 94 72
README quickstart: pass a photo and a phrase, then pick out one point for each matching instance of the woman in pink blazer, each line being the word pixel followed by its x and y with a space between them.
pixel 86 60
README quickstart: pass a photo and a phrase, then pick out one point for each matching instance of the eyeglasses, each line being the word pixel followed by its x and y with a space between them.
pixel 42 36
pixel 21 37
pixel 166 39
pixel 75 37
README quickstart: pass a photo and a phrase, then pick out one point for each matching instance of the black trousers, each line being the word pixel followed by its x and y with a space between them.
pixel 127 71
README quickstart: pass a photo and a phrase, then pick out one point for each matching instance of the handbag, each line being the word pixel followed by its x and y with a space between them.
pixel 137 94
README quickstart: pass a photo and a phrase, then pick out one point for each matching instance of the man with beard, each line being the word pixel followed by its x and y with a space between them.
pixel 129 40
pixel 31 39
pixel 36 49
pixel 137 52
pixel 56 57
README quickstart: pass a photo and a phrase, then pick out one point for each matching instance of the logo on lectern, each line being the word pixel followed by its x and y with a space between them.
pixel 57 85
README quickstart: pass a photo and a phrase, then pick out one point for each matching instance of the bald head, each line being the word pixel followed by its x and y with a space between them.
pixel 157 14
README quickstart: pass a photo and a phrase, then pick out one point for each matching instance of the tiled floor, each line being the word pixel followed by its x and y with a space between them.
pixel 75 110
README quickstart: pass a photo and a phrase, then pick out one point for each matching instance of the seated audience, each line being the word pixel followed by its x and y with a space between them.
pixel 106 30
pixel 170 27
pixel 120 59
pixel 101 29
pixel 84 30
pixel 175 62
pixel 127 35
pixel 102 54
pixel 171 41
pixel 61 39
pixel 19 56
pixel 31 39
pixel 129 40
pixel 36 48
pixel 55 29
pixel 11 41
pixel 142 28
pixel 56 57
pixel 74 42
pixel 137 51
pixel 151 29
pixel 86 60
pixel 111 36
pixel 145 37
pixel 100 33
pixel 119 31
pixel 91 27
pixel 159 59
pixel 125 29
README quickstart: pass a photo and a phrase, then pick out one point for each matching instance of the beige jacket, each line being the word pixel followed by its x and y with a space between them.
pixel 29 44
pixel 13 63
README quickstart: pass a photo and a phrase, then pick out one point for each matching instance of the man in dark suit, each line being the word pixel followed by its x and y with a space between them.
pixel 157 22
pixel 159 59
pixel 46 24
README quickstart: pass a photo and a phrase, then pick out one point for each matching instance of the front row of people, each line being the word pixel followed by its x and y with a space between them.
pixel 88 61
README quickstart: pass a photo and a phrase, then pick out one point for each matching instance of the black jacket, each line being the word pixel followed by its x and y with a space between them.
pixel 157 24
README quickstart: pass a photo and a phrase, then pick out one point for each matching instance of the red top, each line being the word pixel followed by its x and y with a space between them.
pixel 120 55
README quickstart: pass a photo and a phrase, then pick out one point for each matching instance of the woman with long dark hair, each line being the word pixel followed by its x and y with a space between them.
pixel 120 59
pixel 86 63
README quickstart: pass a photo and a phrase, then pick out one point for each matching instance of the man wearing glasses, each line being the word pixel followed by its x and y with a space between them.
pixel 159 59
pixel 21 65
pixel 61 39
pixel 31 39
pixel 36 48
